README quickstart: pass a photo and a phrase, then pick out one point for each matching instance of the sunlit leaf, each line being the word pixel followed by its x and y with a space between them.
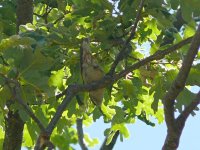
pixel 56 79
pixel 122 128
pixel 89 141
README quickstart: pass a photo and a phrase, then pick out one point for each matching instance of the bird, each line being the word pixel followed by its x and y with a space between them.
pixel 91 71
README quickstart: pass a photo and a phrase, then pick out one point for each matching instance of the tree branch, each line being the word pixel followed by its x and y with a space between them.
pixel 72 90
pixel 111 144
pixel 173 135
pixel 180 80
pixel 187 111
pixel 17 92
pixel 70 93
pixel 43 139
pixel 172 138
pixel 79 124
pixel 123 51
pixel 61 17
pixel 178 23
pixel 157 56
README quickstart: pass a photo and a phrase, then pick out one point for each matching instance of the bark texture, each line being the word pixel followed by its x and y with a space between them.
pixel 176 125
pixel 24 12
pixel 13 131
pixel 14 125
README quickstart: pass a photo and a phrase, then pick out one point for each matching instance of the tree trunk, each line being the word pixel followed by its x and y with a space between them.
pixel 24 12
pixel 171 142
pixel 14 125
pixel 13 131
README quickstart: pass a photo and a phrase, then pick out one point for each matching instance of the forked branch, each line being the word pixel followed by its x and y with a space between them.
pixel 174 133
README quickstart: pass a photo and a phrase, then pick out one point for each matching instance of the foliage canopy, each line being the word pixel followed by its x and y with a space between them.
pixel 44 59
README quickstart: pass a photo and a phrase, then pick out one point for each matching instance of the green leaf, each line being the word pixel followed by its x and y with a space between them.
pixel 186 10
pixel 107 111
pixel 36 71
pixel 26 41
pixel 128 89
pixel 45 59
pixel 159 90
pixel 143 117
pixel 58 141
pixel 28 137
pixel 184 99
pixel 16 40
pixel 160 113
pixel 152 25
pixel 30 125
pixel 89 141
pixel 29 94
pixel 1 141
pixel 56 79
pixel 122 128
pixel 193 78
pixel 42 114
pixel 175 4
pixel 57 39
pixel 23 114
pixel 189 31
pixel 72 108
pixel 130 105
pixel 9 42
pixel 138 55
pixel 61 4
pixel 96 114
pixel 119 117
pixel 1 134
pixel 5 95
pixel 110 137
pixel 170 76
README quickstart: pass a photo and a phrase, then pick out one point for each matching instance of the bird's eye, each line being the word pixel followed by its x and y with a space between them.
pixel 95 66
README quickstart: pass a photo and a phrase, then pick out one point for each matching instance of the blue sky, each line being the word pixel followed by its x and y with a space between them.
pixel 145 137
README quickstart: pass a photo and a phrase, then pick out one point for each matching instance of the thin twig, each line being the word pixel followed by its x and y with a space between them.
pixel 157 56
pixel 188 110
pixel 133 30
pixel 70 93
pixel 121 54
pixel 26 107
pixel 72 90
pixel 61 17
pixel 38 15
pixel 16 92
pixel 79 124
